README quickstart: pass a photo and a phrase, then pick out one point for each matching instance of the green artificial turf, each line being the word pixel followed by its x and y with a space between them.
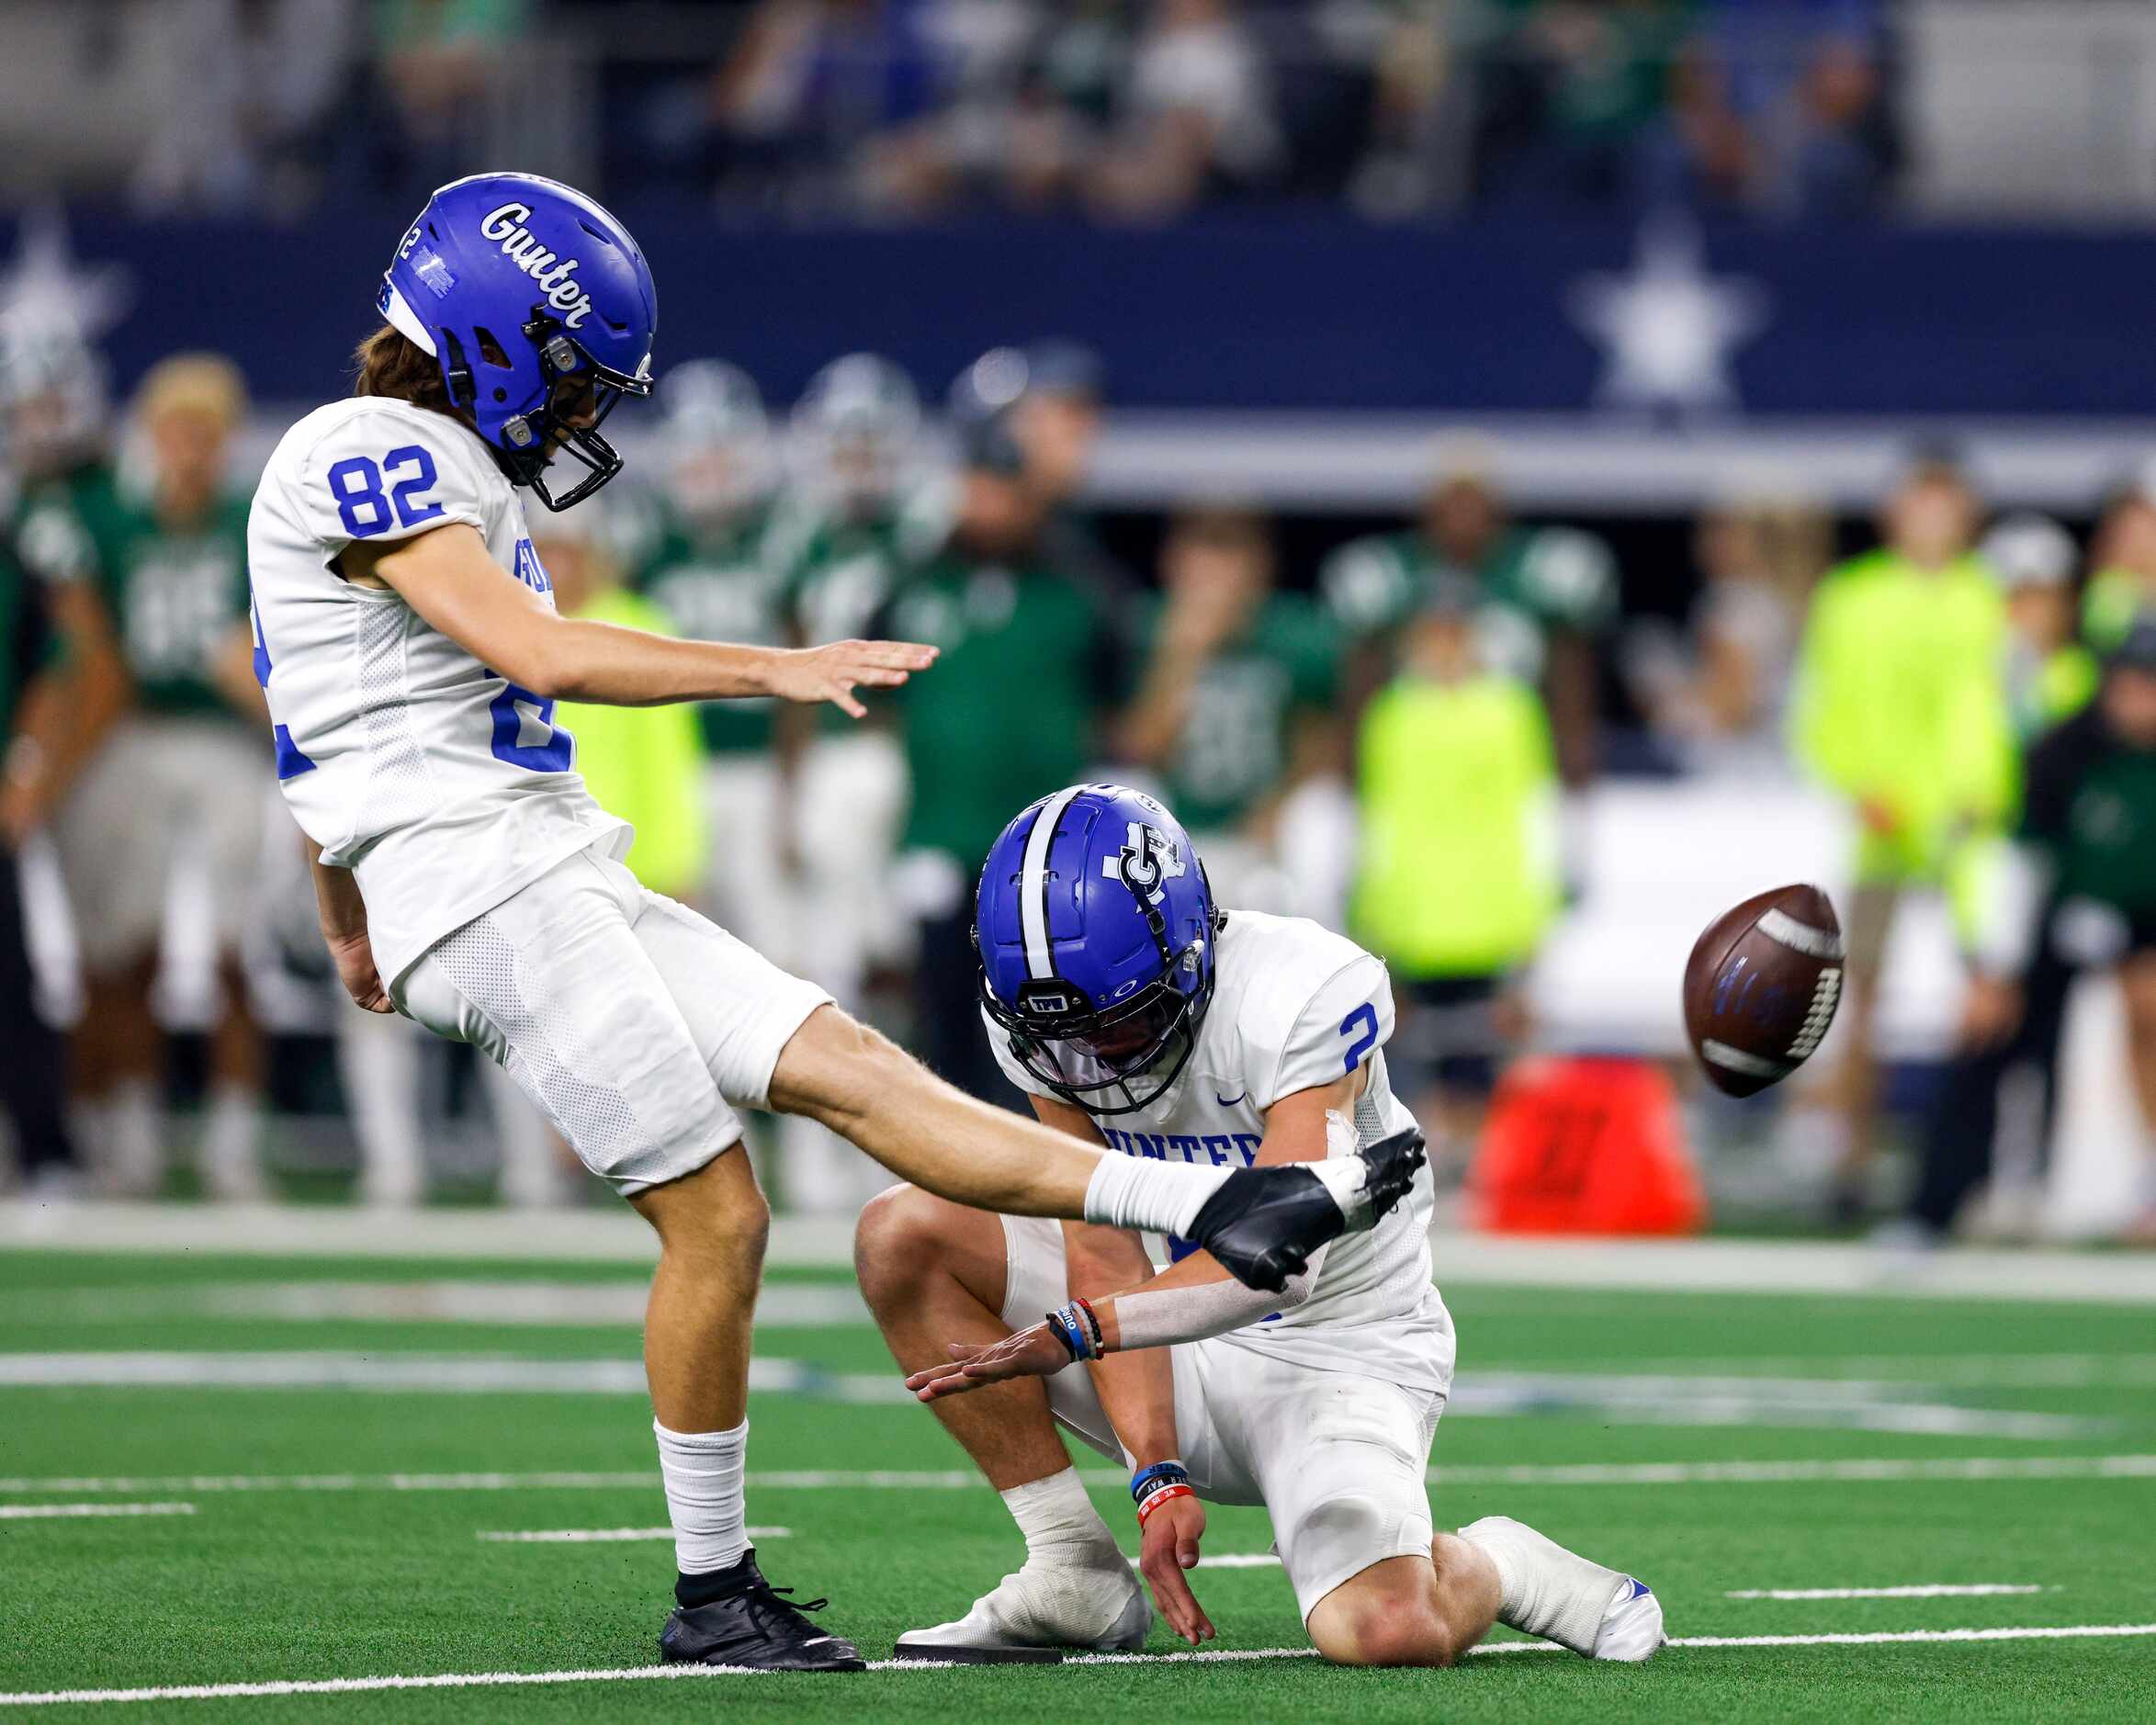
pixel 276 1584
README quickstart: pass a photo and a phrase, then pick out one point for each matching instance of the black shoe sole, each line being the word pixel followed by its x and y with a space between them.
pixel 740 1665
pixel 980 1655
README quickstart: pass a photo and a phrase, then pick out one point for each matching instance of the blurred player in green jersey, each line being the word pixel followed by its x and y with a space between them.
pixel 1031 670
pixel 866 507
pixel 176 789
pixel 714 567
pixel 1236 706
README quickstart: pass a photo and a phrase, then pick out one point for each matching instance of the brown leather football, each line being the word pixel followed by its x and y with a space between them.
pixel 1761 987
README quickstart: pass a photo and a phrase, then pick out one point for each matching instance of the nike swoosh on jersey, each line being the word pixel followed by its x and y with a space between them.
pixel 1229 1101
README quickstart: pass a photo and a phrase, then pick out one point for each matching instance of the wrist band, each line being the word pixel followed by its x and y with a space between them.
pixel 1146 1480
pixel 1158 1496
pixel 1093 1323
pixel 1071 1328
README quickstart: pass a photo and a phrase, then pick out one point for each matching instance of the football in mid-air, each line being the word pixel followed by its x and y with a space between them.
pixel 1761 987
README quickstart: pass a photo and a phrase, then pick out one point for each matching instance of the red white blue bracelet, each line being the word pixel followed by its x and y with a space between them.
pixel 1077 1329
pixel 1153 1486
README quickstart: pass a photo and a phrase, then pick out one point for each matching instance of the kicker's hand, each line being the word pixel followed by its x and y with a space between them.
pixel 353 957
pixel 1167 1548
pixel 1030 1353
pixel 832 673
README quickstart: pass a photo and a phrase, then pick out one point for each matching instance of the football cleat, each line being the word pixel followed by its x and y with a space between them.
pixel 1263 1223
pixel 1632 1626
pixel 760 1628
pixel 1031 1616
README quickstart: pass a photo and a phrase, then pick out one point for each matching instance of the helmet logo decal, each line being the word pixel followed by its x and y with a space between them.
pixel 504 224
pixel 1148 858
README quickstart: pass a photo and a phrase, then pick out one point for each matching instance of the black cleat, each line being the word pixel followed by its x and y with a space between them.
pixel 1263 1223
pixel 756 1627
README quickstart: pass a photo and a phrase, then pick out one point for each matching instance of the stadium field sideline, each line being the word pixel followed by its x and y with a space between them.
pixel 328 1488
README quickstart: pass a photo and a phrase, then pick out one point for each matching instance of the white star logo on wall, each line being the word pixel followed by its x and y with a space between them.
pixel 44 286
pixel 1667 330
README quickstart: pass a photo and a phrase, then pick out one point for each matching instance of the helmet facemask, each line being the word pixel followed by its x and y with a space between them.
pixel 542 428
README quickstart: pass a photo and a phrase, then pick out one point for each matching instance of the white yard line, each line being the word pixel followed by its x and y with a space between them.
pixel 616 1235
pixel 512 1302
pixel 1948 1370
pixel 1919 1590
pixel 424 1373
pixel 68 1512
pixel 647 1674
pixel 1629 1398
pixel 611 1535
pixel 1849 1470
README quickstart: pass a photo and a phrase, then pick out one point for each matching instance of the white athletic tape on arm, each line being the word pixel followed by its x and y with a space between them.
pixel 1161 1317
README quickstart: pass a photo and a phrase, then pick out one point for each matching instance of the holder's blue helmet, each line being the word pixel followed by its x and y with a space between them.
pixel 1095 925
pixel 514 284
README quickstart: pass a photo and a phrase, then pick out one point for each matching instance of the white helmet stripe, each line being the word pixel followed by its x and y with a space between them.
pixel 1032 884
pixel 406 320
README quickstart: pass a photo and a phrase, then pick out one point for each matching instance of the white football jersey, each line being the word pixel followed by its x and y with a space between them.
pixel 443 787
pixel 1295 1006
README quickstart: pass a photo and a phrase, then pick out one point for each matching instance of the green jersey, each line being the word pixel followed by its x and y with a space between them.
pixel 1029 661
pixel 722 586
pixel 70 527
pixel 2091 809
pixel 1534 581
pixel 175 595
pixel 837 571
pixel 1235 742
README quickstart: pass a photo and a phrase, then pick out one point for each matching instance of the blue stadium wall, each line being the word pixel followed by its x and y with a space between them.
pixel 1305 314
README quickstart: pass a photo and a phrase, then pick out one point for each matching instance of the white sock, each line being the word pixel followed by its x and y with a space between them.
pixel 379 1059
pixel 703 1474
pixel 1543 1589
pixel 1132 1192
pixel 1058 1519
pixel 229 1162
pixel 133 1139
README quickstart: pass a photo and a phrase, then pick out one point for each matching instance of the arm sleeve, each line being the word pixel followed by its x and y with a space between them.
pixel 378 476
pixel 1339 1025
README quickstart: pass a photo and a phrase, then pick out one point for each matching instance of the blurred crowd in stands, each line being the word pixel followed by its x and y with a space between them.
pixel 1124 110
pixel 1385 737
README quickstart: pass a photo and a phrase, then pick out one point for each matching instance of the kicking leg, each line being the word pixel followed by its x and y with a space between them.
pixel 1560 1596
pixel 1410 1611
pixel 935 1272
pixel 1261 1223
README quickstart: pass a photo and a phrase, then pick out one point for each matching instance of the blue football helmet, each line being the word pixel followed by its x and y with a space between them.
pixel 519 286
pixel 1095 925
